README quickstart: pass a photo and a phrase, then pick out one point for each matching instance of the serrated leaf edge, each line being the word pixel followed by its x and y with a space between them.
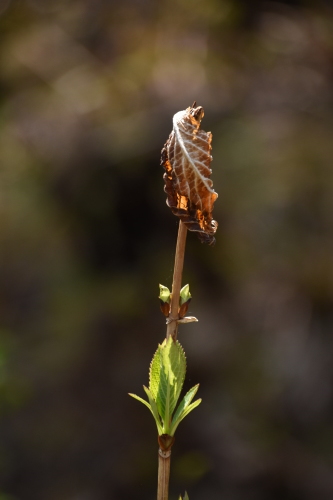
pixel 155 359
pixel 179 379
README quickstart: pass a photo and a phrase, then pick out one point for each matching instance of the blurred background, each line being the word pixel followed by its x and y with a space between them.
pixel 88 89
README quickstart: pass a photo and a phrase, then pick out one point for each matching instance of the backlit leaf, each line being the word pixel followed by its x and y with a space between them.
pixel 184 408
pixel 186 158
pixel 173 371
pixel 155 373
pixel 166 378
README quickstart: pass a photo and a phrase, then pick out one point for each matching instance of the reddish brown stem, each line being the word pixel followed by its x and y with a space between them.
pixel 172 328
pixel 163 474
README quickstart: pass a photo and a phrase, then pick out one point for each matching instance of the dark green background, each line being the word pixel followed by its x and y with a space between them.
pixel 88 89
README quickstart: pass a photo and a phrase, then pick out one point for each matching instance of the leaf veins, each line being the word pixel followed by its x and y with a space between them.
pixel 186 158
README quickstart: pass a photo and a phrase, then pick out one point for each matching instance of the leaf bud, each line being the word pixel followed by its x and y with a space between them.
pixel 185 295
pixel 164 294
pixel 164 300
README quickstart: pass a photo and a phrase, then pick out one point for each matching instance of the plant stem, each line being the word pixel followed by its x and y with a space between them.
pixel 165 441
pixel 164 452
pixel 163 474
pixel 172 328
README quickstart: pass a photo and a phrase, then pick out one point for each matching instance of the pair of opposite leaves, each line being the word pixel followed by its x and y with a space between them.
pixel 186 158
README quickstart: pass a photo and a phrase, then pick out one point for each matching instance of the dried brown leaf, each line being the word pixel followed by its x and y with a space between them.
pixel 186 158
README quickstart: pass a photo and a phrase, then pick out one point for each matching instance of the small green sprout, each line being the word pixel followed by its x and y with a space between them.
pixel 166 379
pixel 185 295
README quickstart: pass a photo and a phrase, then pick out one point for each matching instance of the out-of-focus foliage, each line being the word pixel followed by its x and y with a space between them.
pixel 88 89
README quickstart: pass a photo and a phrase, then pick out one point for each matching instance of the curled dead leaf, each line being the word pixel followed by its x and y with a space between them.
pixel 186 158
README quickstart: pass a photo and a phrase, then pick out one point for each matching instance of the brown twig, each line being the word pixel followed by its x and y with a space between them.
pixel 165 441
pixel 172 327
pixel 163 474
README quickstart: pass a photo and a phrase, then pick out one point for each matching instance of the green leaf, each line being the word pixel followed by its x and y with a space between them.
pixel 172 375
pixel 154 411
pixel 187 399
pixel 152 408
pixel 164 294
pixel 166 378
pixel 141 400
pixel 186 497
pixel 155 373
pixel 183 415
pixel 185 294
pixel 174 362
pixel 184 408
